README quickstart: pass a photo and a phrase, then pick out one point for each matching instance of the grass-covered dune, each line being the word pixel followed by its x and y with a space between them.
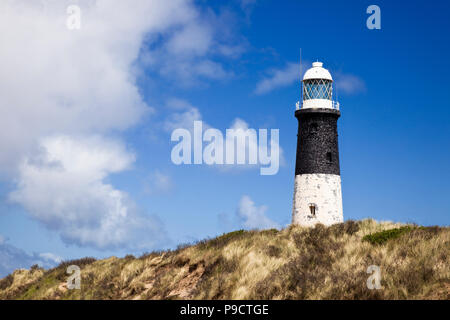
pixel 294 263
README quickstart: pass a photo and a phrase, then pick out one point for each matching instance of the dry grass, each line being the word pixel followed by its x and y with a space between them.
pixel 294 263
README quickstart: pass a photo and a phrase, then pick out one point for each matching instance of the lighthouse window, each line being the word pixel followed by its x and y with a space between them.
pixel 314 127
pixel 329 157
pixel 317 89
pixel 313 209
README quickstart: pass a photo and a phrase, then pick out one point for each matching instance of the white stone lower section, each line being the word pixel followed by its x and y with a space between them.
pixel 321 190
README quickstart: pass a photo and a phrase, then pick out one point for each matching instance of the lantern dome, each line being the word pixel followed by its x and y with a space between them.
pixel 317 72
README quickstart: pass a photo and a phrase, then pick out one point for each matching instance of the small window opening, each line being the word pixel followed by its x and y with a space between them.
pixel 314 127
pixel 329 157
pixel 313 209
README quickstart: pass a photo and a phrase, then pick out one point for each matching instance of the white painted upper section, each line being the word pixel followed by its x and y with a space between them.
pixel 317 72
pixel 317 103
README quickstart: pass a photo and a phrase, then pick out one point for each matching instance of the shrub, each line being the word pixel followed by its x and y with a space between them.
pixel 77 262
pixel 273 251
pixel 216 282
pixel 34 267
pixel 270 232
pixel 6 282
pixel 349 227
pixel 224 239
pixel 382 237
pixel 301 276
pixel 183 246
pixel 152 254
pixel 180 261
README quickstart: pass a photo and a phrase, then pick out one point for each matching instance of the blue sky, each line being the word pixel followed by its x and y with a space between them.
pixel 116 94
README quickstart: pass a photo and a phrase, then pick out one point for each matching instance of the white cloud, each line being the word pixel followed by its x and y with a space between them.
pixel 56 80
pixel 158 183
pixel 184 116
pixel 348 83
pixel 12 258
pixel 279 78
pixel 247 6
pixel 193 39
pixel 246 3
pixel 63 90
pixel 178 104
pixel 48 256
pixel 252 216
pixel 189 51
pixel 247 216
pixel 63 187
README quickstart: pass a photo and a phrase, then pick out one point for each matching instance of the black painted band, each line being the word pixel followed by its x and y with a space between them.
pixel 317 141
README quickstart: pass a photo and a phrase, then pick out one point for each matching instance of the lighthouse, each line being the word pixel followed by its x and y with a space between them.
pixel 317 186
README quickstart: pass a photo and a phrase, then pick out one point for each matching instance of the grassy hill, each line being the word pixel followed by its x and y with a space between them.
pixel 294 263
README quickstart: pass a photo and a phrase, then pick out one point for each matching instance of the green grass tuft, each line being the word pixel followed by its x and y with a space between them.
pixel 382 237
